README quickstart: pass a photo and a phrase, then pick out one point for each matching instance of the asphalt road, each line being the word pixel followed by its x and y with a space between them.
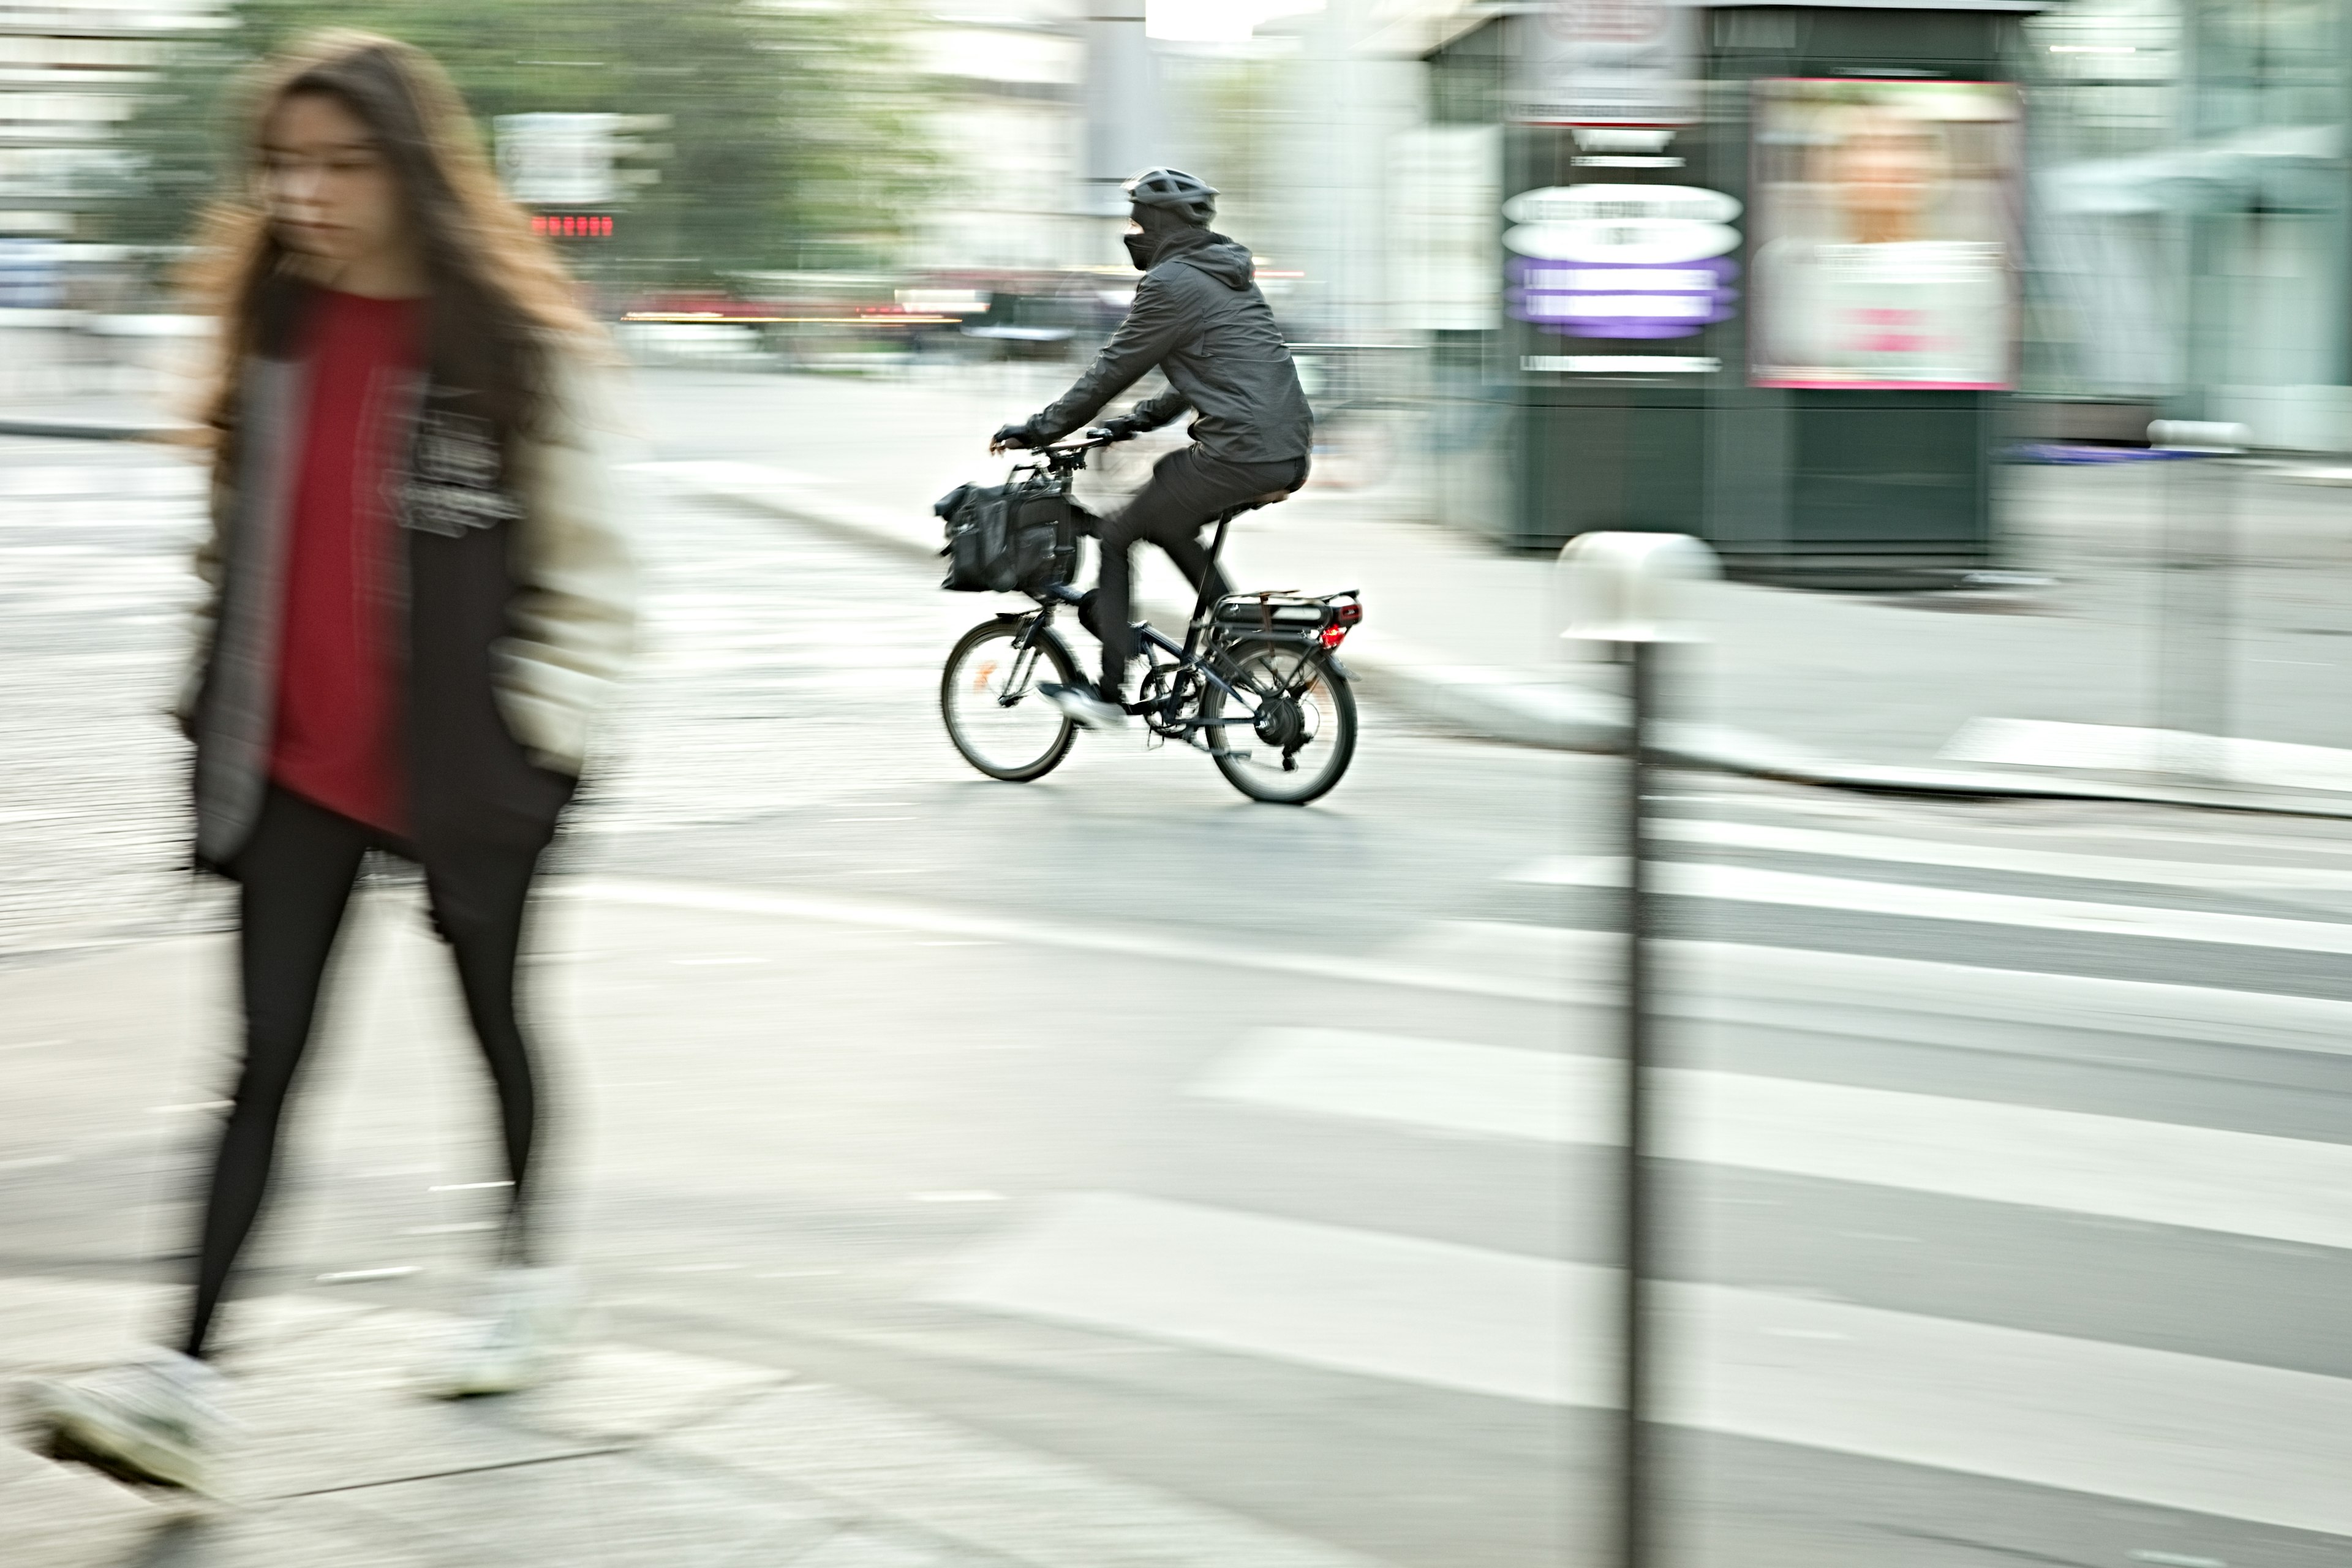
pixel 1257 1153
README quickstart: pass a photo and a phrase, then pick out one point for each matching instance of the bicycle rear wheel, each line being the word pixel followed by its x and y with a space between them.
pixel 1301 732
pixel 989 700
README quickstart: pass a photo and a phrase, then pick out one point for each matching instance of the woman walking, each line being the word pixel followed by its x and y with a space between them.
pixel 417 604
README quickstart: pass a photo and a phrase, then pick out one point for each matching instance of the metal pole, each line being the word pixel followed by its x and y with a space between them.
pixel 1624 588
pixel 2195 592
pixel 1634 1512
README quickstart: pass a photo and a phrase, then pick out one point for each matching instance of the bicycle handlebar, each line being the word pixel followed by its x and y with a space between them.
pixel 1072 454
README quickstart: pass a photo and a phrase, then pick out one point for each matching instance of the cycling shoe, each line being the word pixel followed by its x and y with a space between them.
pixel 1082 706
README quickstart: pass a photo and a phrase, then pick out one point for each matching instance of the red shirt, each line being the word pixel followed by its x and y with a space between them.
pixel 337 739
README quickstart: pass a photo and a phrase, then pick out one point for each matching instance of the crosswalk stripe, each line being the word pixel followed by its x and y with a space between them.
pixel 2152 1426
pixel 2245 1183
pixel 2198 874
pixel 1928 999
pixel 2050 744
pixel 1743 884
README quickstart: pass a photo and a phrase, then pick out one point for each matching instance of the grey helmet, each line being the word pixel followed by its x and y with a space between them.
pixel 1188 195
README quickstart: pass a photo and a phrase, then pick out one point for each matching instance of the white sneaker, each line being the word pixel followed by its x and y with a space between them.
pixel 520 1328
pixel 1083 705
pixel 157 1420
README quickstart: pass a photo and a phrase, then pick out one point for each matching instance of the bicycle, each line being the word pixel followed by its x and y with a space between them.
pixel 1266 664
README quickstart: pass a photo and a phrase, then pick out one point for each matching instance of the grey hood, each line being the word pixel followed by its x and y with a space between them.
pixel 1228 261
pixel 1198 316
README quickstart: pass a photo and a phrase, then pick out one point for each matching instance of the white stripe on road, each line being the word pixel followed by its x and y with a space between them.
pixel 2151 1426
pixel 2202 874
pixel 1713 980
pixel 1743 884
pixel 2159 1173
pixel 2049 743
pixel 111 481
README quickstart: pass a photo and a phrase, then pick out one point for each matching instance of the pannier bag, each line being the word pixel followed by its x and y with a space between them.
pixel 1002 538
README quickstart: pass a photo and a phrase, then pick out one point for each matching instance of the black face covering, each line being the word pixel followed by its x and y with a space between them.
pixel 1161 226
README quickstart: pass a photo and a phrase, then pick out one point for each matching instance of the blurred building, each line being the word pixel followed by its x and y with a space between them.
pixel 2193 233
pixel 69 74
pixel 1008 118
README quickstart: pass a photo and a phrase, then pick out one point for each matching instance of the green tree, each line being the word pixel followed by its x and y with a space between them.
pixel 794 136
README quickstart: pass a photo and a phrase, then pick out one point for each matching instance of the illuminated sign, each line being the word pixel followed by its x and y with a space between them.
pixel 563 226
pixel 558 160
pixel 1621 261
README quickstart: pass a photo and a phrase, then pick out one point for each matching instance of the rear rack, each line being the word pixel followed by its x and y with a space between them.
pixel 1281 613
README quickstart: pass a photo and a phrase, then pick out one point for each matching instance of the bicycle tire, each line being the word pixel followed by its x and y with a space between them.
pixel 1264 783
pixel 966 678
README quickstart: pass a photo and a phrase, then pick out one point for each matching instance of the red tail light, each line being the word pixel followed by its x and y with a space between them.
pixel 1334 635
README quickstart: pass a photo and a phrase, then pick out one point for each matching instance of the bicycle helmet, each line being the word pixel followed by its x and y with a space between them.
pixel 1188 195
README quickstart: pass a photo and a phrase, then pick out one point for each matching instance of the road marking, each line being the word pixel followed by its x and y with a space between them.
pixel 2158 1173
pixel 931 919
pixel 1560 965
pixel 109 479
pixel 726 471
pixel 2204 874
pixel 1744 884
pixel 2048 743
pixel 2151 1426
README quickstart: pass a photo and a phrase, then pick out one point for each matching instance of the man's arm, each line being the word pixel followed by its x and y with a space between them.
pixel 1155 324
pixel 1154 411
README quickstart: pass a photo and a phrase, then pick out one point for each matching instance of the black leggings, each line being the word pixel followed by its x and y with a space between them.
pixel 295 880
pixel 1187 487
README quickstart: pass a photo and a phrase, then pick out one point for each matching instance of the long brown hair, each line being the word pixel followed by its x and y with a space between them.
pixel 500 306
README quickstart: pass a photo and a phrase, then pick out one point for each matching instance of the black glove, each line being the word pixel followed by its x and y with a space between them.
pixel 1123 428
pixel 1015 436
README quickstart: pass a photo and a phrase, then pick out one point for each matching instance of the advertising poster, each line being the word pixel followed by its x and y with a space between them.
pixel 1884 217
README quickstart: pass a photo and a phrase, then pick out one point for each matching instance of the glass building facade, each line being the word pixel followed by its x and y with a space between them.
pixel 2189 212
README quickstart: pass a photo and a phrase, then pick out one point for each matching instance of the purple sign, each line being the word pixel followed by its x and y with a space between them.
pixel 1615 299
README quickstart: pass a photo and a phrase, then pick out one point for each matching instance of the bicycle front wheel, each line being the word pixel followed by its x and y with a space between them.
pixel 989 700
pixel 1295 724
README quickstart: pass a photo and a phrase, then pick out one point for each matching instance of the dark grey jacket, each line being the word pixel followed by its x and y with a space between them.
pixel 1198 316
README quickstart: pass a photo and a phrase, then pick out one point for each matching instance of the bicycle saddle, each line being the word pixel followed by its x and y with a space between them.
pixel 1257 501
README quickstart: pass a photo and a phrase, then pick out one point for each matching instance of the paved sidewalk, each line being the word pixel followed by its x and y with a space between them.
pixel 639 1457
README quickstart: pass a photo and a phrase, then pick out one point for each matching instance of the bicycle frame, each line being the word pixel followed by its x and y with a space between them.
pixel 1059 466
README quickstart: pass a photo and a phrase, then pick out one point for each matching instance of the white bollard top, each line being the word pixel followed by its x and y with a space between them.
pixel 1631 588
pixel 2198 436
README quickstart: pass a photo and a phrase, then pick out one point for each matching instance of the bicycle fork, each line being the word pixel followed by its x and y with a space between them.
pixel 1024 658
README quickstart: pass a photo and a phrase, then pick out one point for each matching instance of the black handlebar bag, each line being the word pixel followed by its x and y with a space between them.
pixel 1003 539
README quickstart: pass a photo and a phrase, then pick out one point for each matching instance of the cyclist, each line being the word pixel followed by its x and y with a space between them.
pixel 1198 316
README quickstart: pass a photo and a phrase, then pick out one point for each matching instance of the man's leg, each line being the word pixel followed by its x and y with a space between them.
pixel 295 879
pixel 1186 489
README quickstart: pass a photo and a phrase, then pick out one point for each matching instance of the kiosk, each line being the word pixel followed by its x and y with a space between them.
pixel 1760 282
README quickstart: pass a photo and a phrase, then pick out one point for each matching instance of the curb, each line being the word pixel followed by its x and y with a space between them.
pixel 92 429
